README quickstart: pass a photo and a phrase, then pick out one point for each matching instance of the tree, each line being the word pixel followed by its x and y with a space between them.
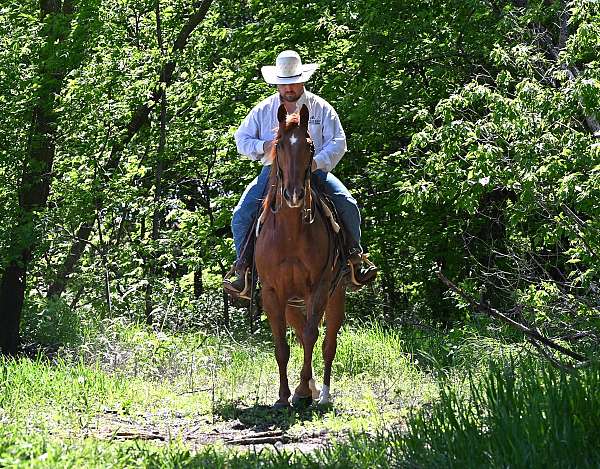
pixel 56 25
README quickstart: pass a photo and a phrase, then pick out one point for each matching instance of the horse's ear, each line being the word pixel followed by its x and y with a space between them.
pixel 281 114
pixel 304 116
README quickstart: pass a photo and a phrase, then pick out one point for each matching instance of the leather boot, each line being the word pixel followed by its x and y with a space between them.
pixel 237 282
pixel 362 270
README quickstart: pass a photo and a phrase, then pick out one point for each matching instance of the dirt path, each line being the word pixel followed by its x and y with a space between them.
pixel 242 427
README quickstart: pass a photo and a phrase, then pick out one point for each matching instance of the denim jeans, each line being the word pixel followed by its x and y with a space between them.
pixel 245 210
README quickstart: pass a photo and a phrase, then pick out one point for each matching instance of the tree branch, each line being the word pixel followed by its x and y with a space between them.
pixel 139 118
pixel 486 309
pixel 545 42
pixel 140 115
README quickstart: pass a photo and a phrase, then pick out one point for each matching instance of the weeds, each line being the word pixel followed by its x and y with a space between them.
pixel 518 414
pixel 400 400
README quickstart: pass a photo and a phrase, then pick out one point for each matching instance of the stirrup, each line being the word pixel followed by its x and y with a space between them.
pixel 370 267
pixel 233 290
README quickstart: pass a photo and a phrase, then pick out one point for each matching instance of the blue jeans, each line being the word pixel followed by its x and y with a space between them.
pixel 245 210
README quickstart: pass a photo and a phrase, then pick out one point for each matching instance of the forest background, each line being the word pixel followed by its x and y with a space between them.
pixel 473 149
pixel 472 135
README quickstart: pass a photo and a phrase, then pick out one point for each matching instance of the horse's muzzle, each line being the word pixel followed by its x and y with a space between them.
pixel 294 198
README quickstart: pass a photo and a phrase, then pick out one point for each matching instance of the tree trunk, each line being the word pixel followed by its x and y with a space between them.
pixel 158 183
pixel 35 183
pixel 57 287
pixel 198 283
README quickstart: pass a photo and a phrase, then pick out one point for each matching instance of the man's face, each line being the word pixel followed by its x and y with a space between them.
pixel 291 93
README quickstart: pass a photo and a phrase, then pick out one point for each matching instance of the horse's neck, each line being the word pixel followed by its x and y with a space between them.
pixel 288 219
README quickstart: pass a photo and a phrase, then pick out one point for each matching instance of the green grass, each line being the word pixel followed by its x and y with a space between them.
pixel 401 399
pixel 516 415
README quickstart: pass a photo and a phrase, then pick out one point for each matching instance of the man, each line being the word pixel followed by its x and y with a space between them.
pixel 255 139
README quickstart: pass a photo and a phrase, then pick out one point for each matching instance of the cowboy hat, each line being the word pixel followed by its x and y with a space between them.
pixel 288 69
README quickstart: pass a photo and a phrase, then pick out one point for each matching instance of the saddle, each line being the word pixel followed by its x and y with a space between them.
pixel 338 255
pixel 341 236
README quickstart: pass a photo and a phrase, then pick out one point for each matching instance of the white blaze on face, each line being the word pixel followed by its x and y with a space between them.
pixel 293 139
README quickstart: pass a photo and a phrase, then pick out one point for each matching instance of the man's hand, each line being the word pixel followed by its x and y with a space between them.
pixel 267 147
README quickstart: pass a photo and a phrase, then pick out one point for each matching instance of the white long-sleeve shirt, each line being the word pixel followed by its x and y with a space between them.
pixel 324 127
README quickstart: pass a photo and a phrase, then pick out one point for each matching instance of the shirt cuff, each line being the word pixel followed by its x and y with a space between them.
pixel 259 147
pixel 320 163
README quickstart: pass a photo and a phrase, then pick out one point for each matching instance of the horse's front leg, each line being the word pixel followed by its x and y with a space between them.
pixel 335 317
pixel 275 311
pixel 314 312
pixel 296 318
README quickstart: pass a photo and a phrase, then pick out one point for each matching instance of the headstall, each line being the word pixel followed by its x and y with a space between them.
pixel 308 215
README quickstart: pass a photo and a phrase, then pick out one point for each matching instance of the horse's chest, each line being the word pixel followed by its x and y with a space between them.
pixel 288 242
pixel 279 252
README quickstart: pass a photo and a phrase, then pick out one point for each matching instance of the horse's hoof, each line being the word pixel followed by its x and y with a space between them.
pixel 281 405
pixel 324 401
pixel 301 402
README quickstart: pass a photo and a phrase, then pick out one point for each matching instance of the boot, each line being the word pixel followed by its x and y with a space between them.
pixel 237 282
pixel 362 270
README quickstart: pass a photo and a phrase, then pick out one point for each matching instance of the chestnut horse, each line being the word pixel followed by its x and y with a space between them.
pixel 294 260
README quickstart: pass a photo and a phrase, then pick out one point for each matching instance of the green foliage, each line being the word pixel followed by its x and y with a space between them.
pixel 470 146
pixel 520 416
pixel 54 323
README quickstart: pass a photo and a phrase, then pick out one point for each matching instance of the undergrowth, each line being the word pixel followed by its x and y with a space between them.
pixel 402 398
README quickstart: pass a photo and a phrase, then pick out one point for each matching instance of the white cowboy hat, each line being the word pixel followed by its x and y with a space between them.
pixel 288 69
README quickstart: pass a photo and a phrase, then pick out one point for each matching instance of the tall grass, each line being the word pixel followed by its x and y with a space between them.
pixel 488 409
pixel 517 415
pixel 29 386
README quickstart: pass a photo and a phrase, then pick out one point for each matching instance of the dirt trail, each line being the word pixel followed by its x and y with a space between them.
pixel 250 427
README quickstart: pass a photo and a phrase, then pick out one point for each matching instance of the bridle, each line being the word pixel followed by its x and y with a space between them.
pixel 308 214
pixel 308 211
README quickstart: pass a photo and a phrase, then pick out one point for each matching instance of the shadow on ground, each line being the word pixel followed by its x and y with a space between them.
pixel 260 417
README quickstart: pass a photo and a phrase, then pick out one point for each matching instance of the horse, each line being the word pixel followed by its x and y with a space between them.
pixel 295 259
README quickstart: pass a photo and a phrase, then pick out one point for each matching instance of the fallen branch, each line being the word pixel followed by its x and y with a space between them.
pixel 262 438
pixel 260 441
pixel 487 309
pixel 137 435
pixel 194 391
pixel 558 364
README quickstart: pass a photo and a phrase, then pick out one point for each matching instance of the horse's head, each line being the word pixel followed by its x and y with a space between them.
pixel 294 155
